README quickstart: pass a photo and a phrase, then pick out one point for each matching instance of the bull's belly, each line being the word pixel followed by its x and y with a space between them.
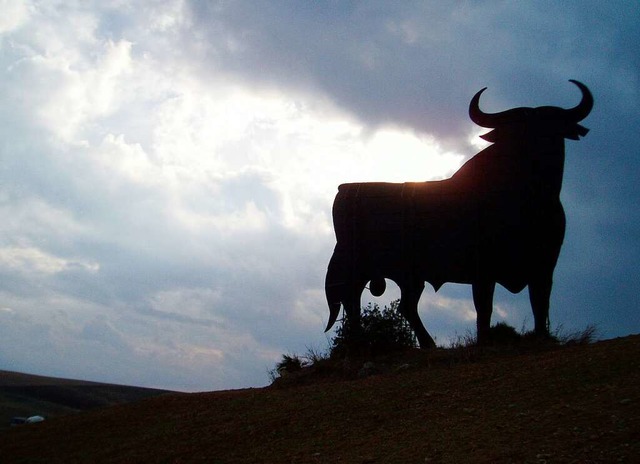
pixel 464 262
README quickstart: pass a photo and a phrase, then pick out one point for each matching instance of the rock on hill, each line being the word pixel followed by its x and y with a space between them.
pixel 578 404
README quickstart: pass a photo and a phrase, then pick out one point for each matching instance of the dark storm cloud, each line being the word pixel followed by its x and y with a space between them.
pixel 418 63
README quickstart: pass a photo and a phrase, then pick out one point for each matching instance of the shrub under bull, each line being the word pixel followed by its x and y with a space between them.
pixel 381 331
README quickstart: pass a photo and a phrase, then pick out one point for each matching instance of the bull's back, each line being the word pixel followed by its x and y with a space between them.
pixel 384 227
pixel 376 208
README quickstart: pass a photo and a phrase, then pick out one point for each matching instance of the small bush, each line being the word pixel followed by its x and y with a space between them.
pixel 382 331
pixel 502 334
pixel 314 356
pixel 290 363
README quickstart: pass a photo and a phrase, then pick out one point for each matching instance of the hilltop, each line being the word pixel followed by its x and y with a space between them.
pixel 27 395
pixel 563 405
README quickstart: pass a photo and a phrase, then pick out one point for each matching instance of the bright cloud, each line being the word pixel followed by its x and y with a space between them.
pixel 29 259
pixel 14 14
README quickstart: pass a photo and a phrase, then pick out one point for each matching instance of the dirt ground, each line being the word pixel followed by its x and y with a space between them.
pixel 578 404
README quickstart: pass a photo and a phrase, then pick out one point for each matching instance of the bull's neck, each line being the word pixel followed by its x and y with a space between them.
pixel 547 167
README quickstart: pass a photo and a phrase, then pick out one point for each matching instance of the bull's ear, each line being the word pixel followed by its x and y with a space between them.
pixel 582 131
pixel 490 136
pixel 575 131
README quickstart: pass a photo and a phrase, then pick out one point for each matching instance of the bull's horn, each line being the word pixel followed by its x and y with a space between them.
pixel 478 116
pixel 581 111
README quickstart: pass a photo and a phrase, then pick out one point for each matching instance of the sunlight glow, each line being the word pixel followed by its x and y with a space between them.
pixel 303 148
pixel 477 142
pixel 402 156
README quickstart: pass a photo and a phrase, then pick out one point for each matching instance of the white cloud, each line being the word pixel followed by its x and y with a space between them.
pixel 127 160
pixel 84 90
pixel 197 303
pixel 452 308
pixel 14 14
pixel 31 259
pixel 31 219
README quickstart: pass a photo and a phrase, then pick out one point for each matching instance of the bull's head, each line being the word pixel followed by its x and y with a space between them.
pixel 534 121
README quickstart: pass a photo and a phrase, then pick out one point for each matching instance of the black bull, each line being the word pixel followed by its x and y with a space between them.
pixel 498 219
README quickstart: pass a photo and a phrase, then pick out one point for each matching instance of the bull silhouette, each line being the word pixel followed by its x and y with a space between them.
pixel 498 219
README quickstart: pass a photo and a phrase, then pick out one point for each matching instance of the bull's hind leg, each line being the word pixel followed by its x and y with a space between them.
pixel 483 301
pixel 539 295
pixel 409 310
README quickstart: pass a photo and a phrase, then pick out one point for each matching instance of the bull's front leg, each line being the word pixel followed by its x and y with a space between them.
pixel 483 301
pixel 539 295
pixel 352 306
pixel 409 309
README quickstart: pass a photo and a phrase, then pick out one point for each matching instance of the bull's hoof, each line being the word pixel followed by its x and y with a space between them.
pixel 427 343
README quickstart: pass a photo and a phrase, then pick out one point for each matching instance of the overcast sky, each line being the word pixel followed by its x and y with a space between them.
pixel 167 168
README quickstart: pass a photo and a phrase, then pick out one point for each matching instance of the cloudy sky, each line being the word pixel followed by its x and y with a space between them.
pixel 167 168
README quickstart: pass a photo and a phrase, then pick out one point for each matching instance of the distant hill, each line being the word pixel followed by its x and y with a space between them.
pixel 577 404
pixel 24 395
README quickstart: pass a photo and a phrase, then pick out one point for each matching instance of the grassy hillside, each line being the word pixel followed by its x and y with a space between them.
pixel 27 395
pixel 577 404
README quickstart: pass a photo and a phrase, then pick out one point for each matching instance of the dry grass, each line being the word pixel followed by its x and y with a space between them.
pixel 578 404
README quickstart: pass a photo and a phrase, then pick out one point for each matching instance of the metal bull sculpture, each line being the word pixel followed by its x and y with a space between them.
pixel 498 219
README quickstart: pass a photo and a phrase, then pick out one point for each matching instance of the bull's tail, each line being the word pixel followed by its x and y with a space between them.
pixel 333 292
pixel 334 288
